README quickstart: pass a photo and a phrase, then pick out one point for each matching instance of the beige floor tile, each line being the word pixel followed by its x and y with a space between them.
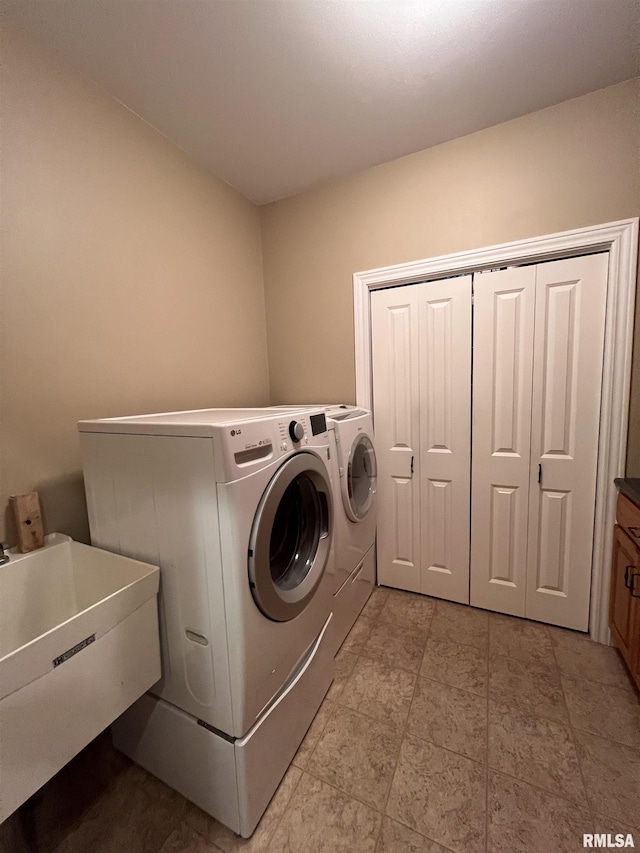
pixel 460 666
pixel 521 639
pixel 612 712
pixel 408 609
pixel 323 820
pixel 379 691
pixel 450 717
pixel 301 758
pixel 536 750
pixel 611 775
pixel 187 840
pixel 609 826
pixel 535 687
pixel 524 819
pixel 358 635
pixel 228 841
pixel 159 792
pixel 343 665
pixel 376 602
pixel 396 646
pixel 441 795
pixel 124 818
pixel 358 755
pixel 461 624
pixel 396 838
pixel 579 656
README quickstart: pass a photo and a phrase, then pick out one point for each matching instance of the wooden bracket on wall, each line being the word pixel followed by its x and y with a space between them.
pixel 26 509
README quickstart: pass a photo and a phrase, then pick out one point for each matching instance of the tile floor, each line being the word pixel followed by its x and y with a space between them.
pixel 446 729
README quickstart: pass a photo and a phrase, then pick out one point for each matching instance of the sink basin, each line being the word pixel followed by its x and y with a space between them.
pixel 79 643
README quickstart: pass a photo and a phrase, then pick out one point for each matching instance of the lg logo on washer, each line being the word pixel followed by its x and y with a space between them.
pixel 236 432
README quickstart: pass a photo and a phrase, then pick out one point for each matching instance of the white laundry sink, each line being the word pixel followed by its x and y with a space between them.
pixel 79 643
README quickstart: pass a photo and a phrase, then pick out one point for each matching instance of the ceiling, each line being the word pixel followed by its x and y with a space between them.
pixel 275 96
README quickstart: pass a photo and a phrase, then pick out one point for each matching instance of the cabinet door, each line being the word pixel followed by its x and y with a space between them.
pixel 504 303
pixel 567 380
pixel 622 606
pixel 421 351
pixel 634 650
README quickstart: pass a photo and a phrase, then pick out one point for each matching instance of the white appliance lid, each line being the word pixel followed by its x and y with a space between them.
pixel 335 411
pixel 343 413
pixel 198 422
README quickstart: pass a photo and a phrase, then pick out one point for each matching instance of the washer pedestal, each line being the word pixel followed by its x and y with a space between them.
pixel 233 780
pixel 352 596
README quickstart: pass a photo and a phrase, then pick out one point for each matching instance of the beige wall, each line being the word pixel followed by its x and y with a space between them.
pixel 569 166
pixel 132 280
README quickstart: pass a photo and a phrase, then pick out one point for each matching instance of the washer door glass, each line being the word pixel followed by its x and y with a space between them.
pixel 295 534
pixel 361 478
pixel 291 537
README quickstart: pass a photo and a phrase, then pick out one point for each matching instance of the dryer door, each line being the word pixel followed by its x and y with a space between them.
pixel 359 485
pixel 291 537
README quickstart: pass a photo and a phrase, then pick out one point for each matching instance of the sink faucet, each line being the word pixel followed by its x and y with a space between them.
pixel 4 558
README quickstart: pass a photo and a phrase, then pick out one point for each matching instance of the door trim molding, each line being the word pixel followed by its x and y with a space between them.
pixel 620 240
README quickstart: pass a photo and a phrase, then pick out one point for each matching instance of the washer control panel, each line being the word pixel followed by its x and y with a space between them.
pixel 256 442
pixel 296 431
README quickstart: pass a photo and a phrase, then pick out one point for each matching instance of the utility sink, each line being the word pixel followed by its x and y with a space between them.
pixel 79 643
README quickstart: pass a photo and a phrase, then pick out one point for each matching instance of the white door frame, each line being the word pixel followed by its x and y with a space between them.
pixel 620 239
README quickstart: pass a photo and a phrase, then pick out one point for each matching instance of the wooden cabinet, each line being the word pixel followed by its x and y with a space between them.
pixel 624 610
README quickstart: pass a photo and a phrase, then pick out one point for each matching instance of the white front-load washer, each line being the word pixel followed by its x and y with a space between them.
pixel 354 481
pixel 235 506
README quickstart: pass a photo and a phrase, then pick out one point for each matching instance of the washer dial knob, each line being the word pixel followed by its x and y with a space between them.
pixel 296 431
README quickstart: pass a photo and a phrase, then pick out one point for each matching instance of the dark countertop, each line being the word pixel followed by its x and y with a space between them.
pixel 630 487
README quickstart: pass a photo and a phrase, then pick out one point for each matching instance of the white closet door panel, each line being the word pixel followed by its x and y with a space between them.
pixel 394 326
pixel 503 326
pixel 444 347
pixel 569 340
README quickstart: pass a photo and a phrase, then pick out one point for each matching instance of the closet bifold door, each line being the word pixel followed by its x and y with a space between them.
pixel 444 348
pixel 394 353
pixel 503 328
pixel 567 382
pixel 537 378
pixel 421 358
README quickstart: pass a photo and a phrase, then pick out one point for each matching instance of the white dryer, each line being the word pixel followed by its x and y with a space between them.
pixel 355 515
pixel 354 478
pixel 235 506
